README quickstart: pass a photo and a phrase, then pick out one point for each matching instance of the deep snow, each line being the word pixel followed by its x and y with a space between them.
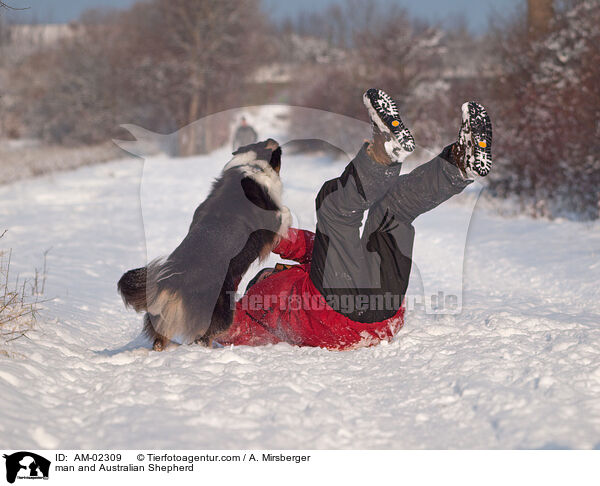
pixel 519 367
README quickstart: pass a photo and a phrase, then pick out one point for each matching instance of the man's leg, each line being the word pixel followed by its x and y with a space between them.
pixel 388 235
pixel 339 267
pixel 425 188
pixel 338 260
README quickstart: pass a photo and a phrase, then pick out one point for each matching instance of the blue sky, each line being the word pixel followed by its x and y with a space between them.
pixel 476 12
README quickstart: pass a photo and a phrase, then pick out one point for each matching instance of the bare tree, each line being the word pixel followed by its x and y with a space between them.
pixel 548 104
pixel 539 16
pixel 384 48
pixel 194 56
pixel 163 64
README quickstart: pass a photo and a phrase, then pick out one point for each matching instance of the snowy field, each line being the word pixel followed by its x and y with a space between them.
pixel 519 367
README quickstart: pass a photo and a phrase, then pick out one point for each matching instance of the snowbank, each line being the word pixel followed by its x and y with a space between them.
pixel 518 368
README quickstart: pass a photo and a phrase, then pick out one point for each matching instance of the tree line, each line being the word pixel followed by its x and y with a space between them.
pixel 163 64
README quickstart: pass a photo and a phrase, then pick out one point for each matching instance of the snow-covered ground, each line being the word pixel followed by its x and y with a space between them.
pixel 519 367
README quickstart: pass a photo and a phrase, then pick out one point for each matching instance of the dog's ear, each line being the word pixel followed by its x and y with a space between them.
pixel 271 144
pixel 275 161
pixel 262 149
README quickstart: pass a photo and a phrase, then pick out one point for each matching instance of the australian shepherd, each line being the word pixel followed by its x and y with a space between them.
pixel 190 293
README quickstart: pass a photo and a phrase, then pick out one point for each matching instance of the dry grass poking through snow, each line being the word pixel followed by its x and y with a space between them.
pixel 19 302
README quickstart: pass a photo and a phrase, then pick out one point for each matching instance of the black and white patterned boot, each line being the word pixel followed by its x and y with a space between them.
pixel 472 153
pixel 398 141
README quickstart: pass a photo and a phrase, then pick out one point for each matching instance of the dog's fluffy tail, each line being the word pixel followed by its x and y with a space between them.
pixel 132 287
pixel 156 289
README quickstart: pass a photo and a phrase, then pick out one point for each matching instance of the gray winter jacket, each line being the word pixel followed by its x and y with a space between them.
pixel 244 135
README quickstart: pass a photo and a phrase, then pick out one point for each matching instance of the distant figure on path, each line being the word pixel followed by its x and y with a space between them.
pixel 244 135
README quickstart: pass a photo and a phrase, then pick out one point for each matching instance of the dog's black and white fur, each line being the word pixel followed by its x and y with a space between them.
pixel 190 293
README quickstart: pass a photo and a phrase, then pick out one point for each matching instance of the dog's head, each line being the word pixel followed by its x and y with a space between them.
pixel 267 151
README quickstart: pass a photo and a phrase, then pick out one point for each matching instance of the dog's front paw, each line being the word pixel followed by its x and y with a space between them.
pixel 159 344
pixel 286 221
pixel 205 341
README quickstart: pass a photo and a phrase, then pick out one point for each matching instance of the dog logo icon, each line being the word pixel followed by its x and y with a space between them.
pixel 26 465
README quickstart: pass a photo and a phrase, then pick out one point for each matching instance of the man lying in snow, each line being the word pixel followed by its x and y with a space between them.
pixel 347 290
